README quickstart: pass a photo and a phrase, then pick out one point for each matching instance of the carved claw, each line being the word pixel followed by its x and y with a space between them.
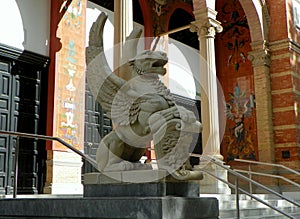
pixel 184 175
pixel 186 115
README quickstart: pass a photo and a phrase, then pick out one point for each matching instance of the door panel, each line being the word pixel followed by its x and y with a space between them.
pixel 19 111
pixel 97 125
pixel 5 117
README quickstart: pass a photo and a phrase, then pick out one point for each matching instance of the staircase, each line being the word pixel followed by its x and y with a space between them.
pixel 272 204
pixel 250 208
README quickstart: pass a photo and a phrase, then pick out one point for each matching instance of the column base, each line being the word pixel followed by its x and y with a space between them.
pixel 210 185
pixel 63 173
pixel 64 188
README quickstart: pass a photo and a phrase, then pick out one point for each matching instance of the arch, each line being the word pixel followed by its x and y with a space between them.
pixel 11 23
pixel 256 12
pixel 256 17
pixel 184 7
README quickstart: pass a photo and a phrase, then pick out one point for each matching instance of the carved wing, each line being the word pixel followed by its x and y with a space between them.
pixel 103 83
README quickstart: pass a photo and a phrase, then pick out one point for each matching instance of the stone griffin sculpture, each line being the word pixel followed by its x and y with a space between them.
pixel 141 109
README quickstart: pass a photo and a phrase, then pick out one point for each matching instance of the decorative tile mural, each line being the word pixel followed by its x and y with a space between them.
pixel 70 76
pixel 235 74
pixel 239 140
pixel 235 33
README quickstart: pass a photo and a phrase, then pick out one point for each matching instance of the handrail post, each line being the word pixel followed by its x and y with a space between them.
pixel 237 197
pixel 16 163
pixel 250 182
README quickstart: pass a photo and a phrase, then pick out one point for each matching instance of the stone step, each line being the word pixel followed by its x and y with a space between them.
pixel 258 213
pixel 250 208
pixel 230 197
pixel 295 215
pixel 254 204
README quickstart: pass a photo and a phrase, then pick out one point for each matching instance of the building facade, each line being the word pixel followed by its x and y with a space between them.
pixel 248 49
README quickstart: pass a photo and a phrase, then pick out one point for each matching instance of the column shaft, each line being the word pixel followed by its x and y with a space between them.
pixel 123 25
pixel 261 66
pixel 206 27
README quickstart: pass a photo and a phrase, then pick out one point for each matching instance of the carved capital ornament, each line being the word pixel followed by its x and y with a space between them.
pixel 260 57
pixel 207 28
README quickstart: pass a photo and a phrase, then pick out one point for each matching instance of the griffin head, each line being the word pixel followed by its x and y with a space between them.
pixel 149 61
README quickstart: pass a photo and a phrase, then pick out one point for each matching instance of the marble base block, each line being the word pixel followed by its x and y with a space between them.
pixel 113 185
pixel 112 195
pixel 117 207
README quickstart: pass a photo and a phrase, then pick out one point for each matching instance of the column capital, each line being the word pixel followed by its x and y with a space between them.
pixel 207 27
pixel 206 24
pixel 261 57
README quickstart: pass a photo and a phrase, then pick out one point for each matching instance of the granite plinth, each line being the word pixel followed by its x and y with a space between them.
pixel 115 184
pixel 161 189
pixel 148 194
pixel 102 208
pixel 132 176
pixel 112 196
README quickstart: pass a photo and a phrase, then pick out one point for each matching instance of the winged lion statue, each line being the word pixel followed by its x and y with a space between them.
pixel 142 109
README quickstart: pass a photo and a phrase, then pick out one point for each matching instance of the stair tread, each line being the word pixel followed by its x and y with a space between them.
pixel 252 209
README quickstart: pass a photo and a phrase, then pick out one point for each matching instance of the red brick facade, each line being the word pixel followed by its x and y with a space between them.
pixel 257 58
pixel 282 39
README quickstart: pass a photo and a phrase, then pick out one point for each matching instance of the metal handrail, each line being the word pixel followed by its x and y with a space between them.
pixel 250 172
pixel 237 189
pixel 268 175
pixel 268 164
pixel 42 137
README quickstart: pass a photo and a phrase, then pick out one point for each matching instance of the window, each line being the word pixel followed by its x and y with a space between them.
pixel 296 13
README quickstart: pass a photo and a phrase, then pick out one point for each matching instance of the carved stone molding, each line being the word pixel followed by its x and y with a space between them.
pixel 260 57
pixel 16 54
pixel 207 28
pixel 206 24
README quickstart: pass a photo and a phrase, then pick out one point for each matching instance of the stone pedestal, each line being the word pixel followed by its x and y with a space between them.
pixel 162 197
pixel 168 207
pixel 115 184
pixel 63 173
pixel 106 197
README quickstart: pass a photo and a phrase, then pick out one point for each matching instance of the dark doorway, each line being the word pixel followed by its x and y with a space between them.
pixel 23 99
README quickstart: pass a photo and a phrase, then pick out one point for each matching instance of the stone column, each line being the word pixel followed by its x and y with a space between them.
pixel 260 57
pixel 123 25
pixel 207 26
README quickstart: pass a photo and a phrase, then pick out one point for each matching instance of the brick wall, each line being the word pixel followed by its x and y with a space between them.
pixel 275 78
pixel 285 83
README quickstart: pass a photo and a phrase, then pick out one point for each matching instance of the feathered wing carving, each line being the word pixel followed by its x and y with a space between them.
pixel 103 83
